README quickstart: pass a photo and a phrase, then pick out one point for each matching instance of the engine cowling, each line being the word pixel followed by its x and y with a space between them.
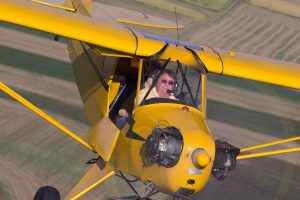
pixel 163 147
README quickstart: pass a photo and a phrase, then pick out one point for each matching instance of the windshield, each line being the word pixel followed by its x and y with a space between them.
pixel 189 83
pixel 170 82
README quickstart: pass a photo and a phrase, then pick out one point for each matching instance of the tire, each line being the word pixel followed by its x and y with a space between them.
pixel 47 193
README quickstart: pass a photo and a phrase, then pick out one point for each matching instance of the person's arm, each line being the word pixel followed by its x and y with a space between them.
pixel 142 94
pixel 148 83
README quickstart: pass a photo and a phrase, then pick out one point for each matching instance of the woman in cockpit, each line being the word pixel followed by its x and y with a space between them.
pixel 164 87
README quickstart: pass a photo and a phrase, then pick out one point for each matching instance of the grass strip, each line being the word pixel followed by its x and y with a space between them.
pixel 214 5
pixel 284 7
pixel 255 86
pixel 5 191
pixel 53 156
pixel 36 63
pixel 53 105
pixel 170 6
pixel 259 178
pixel 260 122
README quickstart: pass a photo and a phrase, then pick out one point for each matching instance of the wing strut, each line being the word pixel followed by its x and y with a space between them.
pixel 54 5
pixel 254 155
pixel 97 174
pixel 42 114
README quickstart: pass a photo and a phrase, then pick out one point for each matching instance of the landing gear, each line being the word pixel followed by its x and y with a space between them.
pixel 150 190
pixel 47 193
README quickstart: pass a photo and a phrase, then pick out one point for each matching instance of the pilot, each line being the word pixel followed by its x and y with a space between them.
pixel 164 88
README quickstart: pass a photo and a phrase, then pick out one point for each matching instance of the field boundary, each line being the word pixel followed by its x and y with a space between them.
pixel 283 7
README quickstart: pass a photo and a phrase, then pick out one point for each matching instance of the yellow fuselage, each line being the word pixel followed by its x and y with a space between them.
pixel 127 155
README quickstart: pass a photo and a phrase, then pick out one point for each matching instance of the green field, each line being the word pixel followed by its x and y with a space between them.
pixel 214 5
pixel 54 159
pixel 280 6
pixel 5 192
pixel 259 87
pixel 170 6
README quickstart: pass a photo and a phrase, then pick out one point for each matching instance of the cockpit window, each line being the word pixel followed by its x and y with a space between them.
pixel 170 82
pixel 189 86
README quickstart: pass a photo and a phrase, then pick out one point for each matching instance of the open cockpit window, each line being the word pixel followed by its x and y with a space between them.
pixel 164 81
pixel 189 86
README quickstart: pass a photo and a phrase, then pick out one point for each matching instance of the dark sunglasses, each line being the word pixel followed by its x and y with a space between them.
pixel 169 82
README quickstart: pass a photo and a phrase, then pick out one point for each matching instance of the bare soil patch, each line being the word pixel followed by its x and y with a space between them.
pixel 21 181
pixel 254 30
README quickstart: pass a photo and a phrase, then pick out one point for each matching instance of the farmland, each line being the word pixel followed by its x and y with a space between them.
pixel 284 7
pixel 33 153
pixel 214 5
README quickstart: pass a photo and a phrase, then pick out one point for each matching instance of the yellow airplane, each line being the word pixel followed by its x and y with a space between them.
pixel 163 142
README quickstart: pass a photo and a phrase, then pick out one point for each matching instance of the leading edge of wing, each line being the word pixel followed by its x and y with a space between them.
pixel 75 26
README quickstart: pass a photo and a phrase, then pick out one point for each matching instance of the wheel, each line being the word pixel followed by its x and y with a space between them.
pixel 47 193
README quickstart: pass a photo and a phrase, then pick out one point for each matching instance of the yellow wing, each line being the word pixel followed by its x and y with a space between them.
pixel 103 32
pixel 262 69
pixel 106 33
pixel 252 67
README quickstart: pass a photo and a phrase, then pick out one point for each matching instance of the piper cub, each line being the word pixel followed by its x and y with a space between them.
pixel 144 97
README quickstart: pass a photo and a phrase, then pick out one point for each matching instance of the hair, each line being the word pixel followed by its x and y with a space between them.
pixel 169 73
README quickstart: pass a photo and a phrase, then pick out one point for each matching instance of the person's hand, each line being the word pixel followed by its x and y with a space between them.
pixel 148 83
pixel 123 113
